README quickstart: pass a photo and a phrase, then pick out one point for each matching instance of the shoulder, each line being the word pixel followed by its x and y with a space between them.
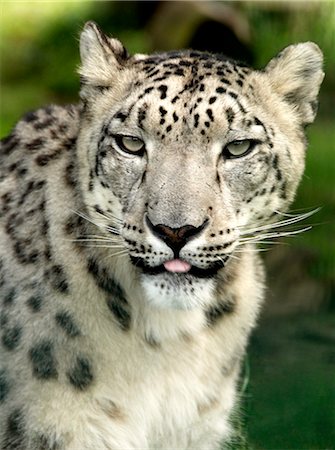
pixel 38 138
pixel 40 128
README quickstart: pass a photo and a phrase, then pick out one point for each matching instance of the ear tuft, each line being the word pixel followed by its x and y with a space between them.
pixel 296 74
pixel 101 56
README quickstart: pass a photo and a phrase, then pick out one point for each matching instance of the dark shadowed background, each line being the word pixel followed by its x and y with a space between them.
pixel 289 375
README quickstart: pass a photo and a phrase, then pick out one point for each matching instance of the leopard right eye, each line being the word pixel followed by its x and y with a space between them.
pixel 239 148
pixel 130 144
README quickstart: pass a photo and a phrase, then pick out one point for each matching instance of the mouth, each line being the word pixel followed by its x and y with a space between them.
pixel 180 267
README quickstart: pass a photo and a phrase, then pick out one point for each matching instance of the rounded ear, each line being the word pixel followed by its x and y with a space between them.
pixel 101 56
pixel 296 74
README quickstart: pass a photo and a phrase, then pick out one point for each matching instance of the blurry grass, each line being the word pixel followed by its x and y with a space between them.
pixel 39 50
pixel 318 190
pixel 285 23
pixel 291 396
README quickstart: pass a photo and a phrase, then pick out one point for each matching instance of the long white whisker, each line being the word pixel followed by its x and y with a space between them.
pixel 221 259
pixel 112 230
pixel 108 215
pixel 257 240
pixel 99 225
pixel 250 250
pixel 97 239
pixel 285 214
pixel 98 244
pixel 102 246
pixel 85 217
pixel 233 256
pixel 120 253
pixel 280 224
pixel 275 235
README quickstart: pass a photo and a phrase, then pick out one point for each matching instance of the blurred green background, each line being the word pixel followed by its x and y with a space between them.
pixel 289 401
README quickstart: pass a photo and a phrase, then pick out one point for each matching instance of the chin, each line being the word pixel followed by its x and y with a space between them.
pixel 178 291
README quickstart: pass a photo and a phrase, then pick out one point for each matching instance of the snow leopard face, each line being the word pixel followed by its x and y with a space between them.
pixel 186 152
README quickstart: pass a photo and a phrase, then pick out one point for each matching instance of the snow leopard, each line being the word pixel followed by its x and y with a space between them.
pixel 130 278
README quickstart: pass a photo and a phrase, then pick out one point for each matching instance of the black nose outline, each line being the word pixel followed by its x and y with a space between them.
pixel 175 238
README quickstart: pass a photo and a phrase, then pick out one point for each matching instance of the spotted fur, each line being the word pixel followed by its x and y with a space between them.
pixel 101 346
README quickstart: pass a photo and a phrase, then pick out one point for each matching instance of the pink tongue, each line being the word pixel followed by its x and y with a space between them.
pixel 177 265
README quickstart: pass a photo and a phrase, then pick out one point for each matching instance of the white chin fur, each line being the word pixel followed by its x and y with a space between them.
pixel 174 291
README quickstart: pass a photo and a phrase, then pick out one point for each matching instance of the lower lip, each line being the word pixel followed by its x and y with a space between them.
pixel 177 266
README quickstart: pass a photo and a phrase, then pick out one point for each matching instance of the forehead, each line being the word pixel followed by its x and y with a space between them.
pixel 190 64
pixel 189 89
pixel 178 75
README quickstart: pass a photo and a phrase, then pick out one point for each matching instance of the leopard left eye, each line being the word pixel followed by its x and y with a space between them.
pixel 238 148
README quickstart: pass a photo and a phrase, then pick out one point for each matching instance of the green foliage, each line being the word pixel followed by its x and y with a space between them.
pixel 40 54
pixel 275 26
pixel 292 389
pixel 318 190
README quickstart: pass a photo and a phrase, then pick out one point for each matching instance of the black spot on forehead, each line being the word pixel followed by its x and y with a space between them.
pixel 225 81
pixel 196 120
pixel 154 73
pixel 163 90
pixel 221 90
pixel 162 111
pixel 148 89
pixel 185 63
pixel 208 65
pixel 209 112
pixel 233 94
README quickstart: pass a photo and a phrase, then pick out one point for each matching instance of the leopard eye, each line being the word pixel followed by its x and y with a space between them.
pixel 237 149
pixel 130 144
